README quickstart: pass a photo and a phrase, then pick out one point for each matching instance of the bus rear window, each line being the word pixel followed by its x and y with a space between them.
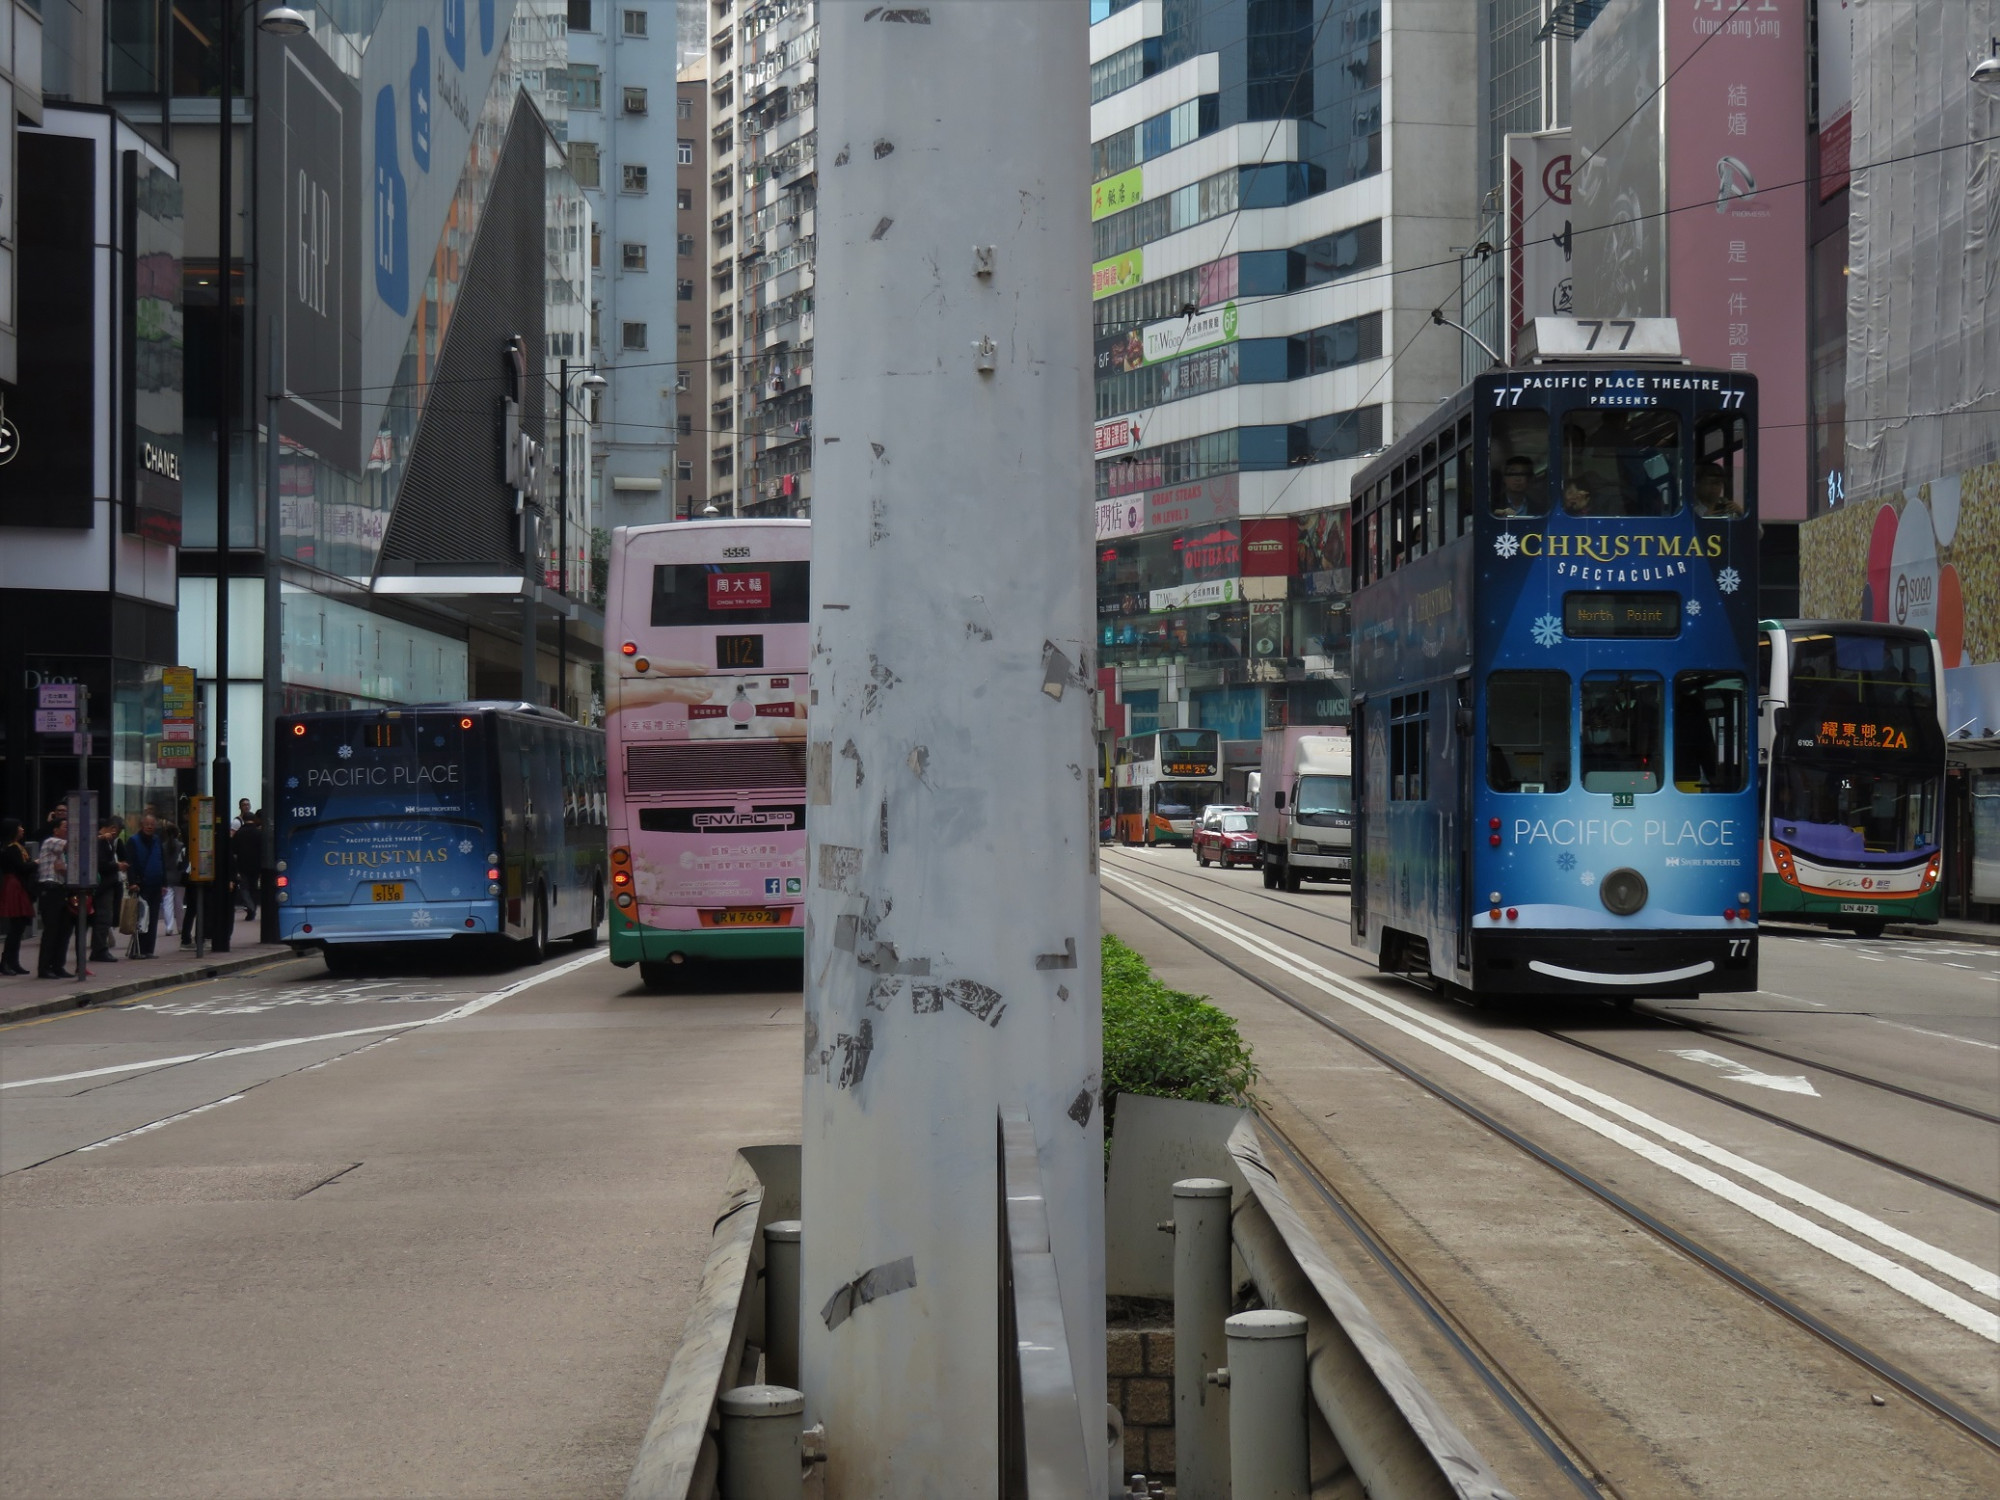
pixel 690 594
pixel 1624 717
pixel 1527 731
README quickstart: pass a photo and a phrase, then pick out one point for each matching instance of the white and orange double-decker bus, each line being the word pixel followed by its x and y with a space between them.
pixel 705 693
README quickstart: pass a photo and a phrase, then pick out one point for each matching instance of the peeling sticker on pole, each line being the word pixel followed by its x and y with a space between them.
pixel 819 773
pixel 1063 960
pixel 839 868
pixel 976 1000
pixel 870 1286
pixel 1055 670
pixel 848 752
pixel 854 1053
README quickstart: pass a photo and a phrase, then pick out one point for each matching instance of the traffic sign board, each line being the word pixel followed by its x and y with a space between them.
pixel 174 754
pixel 57 695
pixel 55 720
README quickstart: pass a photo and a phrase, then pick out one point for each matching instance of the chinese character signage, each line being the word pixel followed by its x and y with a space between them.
pixel 1115 193
pixel 1849 734
pixel 739 591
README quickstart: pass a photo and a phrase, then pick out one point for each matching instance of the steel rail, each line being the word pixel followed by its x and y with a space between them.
pixel 1943 1406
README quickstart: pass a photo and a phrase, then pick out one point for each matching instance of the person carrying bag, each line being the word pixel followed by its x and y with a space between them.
pixel 17 893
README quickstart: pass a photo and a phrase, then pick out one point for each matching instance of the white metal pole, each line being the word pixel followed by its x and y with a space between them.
pixel 952 923
pixel 1201 1304
pixel 1268 1458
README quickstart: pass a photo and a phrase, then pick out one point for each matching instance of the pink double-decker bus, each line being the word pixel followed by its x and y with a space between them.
pixel 705 693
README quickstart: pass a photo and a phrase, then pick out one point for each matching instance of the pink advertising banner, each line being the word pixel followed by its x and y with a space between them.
pixel 1737 198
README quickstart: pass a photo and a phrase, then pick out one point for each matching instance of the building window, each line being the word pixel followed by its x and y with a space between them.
pixel 683 108
pixel 684 152
pixel 635 335
pixel 684 245
pixel 686 425
pixel 634 256
pixel 635 23
pixel 596 247
pixel 687 333
pixel 684 469
pixel 684 199
pixel 635 101
pixel 635 178
pixel 684 290
pixel 586 86
pixel 682 379
pixel 583 163
pixel 579 15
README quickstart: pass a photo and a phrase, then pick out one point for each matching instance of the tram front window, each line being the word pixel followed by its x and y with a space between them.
pixel 1527 731
pixel 1621 462
pixel 1518 450
pixel 1624 714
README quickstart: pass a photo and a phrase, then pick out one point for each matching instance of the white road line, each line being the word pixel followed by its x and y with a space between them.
pixel 186 1114
pixel 1481 1055
pixel 1787 1083
pixel 1949 1036
pixel 457 1013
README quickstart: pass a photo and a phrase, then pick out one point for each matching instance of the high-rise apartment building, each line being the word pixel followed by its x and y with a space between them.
pixel 628 149
pixel 763 165
pixel 1280 192
pixel 691 266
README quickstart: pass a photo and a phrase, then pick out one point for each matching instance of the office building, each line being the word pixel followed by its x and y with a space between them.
pixel 1279 194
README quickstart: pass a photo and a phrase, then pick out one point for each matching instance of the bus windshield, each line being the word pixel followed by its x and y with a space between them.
pixel 1852 672
pixel 1836 811
pixel 1179 799
pixel 1324 797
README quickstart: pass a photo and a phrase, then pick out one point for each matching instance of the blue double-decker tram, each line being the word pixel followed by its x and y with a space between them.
pixel 1555 585
pixel 468 821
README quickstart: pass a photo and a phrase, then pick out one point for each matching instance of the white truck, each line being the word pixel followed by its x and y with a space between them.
pixel 1305 805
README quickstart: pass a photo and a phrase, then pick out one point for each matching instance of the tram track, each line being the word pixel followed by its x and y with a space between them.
pixel 1915 1174
pixel 1915 1389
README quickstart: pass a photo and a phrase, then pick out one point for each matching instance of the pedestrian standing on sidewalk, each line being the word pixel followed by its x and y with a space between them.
pixel 109 892
pixel 52 870
pixel 246 857
pixel 146 867
pixel 17 893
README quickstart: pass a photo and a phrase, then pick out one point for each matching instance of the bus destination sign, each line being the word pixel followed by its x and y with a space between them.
pixel 1845 734
pixel 739 591
pixel 1620 615
pixel 1189 768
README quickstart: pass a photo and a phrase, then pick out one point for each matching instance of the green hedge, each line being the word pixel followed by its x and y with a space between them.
pixel 1166 1042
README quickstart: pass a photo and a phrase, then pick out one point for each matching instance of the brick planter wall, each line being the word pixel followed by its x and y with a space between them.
pixel 1140 1364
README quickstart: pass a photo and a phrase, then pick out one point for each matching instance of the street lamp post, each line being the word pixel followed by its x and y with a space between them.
pixel 590 381
pixel 280 20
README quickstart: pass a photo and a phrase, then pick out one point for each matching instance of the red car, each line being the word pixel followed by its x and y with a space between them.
pixel 1226 836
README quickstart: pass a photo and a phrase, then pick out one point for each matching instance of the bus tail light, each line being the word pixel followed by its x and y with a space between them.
pixel 621 856
pixel 465 723
pixel 641 665
pixel 494 873
pixel 283 881
pixel 1513 914
pixel 624 900
pixel 299 729
pixel 1931 874
pixel 630 648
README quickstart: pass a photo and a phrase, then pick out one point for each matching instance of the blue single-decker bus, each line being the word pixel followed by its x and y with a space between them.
pixel 476 820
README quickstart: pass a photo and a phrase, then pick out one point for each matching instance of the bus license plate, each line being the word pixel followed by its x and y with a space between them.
pixel 1860 908
pixel 746 916
pixel 390 892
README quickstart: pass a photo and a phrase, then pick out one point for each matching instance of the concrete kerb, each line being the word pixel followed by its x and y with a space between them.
pixel 721 1343
pixel 207 968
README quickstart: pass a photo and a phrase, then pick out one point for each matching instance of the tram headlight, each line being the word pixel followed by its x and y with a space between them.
pixel 1623 892
pixel 493 890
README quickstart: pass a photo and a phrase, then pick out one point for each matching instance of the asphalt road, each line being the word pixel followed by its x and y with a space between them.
pixel 1815 1135
pixel 430 1233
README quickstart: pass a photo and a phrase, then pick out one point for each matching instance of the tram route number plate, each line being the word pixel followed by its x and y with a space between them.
pixel 392 891
pixel 1621 799
pixel 746 916
pixel 1860 908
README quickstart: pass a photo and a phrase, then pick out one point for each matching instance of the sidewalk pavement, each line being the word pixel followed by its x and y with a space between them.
pixel 22 996
pixel 1953 931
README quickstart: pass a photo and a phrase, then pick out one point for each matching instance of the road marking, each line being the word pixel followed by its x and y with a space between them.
pixel 186 1114
pixel 458 1013
pixel 1742 1073
pixel 1949 1036
pixel 1483 1057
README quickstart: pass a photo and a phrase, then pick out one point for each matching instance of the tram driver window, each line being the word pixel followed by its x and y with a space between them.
pixel 1721 466
pixel 1518 448
pixel 1711 732
pixel 1620 462
pixel 1624 717
pixel 1527 731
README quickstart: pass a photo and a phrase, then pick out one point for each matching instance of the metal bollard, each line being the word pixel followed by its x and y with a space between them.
pixel 1201 1303
pixel 781 1302
pixel 761 1454
pixel 1267 1406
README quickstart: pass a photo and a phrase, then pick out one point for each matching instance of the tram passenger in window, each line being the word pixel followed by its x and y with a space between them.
pixel 1578 499
pixel 1511 496
pixel 1711 494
